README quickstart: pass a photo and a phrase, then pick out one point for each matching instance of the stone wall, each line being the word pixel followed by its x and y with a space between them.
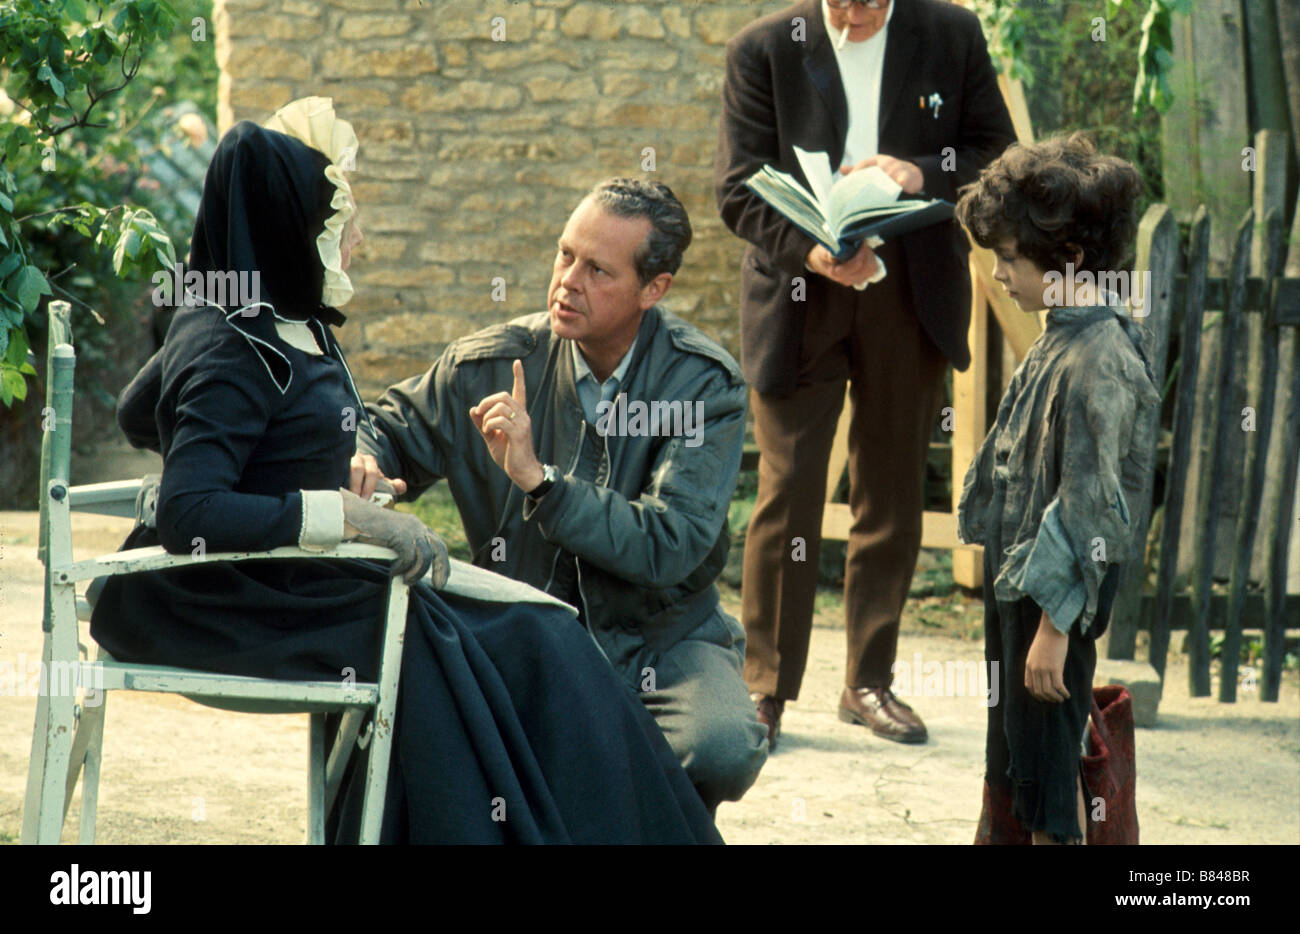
pixel 481 125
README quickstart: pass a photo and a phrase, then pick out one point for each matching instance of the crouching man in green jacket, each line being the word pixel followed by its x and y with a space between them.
pixel 592 451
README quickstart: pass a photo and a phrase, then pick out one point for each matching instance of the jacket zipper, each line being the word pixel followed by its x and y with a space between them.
pixel 577 562
pixel 573 465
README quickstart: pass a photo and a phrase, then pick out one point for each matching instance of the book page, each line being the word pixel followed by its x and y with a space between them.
pixel 793 201
pixel 816 167
pixel 864 189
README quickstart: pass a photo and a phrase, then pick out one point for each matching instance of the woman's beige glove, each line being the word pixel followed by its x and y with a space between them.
pixel 418 547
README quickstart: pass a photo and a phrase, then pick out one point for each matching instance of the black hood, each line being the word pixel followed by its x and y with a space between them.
pixel 265 201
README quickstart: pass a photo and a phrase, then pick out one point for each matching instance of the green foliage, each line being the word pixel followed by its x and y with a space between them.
pixel 65 67
pixel 1252 651
pixel 1085 84
pixel 14 367
pixel 1155 53
pixel 1007 24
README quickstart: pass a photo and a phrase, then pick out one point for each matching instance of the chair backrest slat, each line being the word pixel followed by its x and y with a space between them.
pixel 58 332
pixel 56 434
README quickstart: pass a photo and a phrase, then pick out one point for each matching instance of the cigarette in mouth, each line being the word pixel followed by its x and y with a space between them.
pixel 843 38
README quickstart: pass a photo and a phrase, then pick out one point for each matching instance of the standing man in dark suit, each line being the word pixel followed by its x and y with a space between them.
pixel 907 85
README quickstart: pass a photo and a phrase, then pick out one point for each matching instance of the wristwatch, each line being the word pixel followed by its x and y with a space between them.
pixel 549 475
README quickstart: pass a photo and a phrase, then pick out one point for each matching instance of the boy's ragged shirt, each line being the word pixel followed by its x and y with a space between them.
pixel 1064 446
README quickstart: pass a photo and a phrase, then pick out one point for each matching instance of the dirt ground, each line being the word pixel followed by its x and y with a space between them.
pixel 177 772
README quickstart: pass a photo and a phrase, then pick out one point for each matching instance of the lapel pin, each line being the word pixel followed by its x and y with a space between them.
pixel 935 103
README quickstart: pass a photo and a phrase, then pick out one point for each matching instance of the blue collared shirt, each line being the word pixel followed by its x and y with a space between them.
pixel 591 393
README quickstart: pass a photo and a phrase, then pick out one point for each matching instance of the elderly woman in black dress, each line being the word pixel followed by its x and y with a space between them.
pixel 254 412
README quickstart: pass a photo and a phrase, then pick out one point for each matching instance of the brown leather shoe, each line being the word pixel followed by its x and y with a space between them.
pixel 883 713
pixel 769 714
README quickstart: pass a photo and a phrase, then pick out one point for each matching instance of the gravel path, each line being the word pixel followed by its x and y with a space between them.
pixel 177 772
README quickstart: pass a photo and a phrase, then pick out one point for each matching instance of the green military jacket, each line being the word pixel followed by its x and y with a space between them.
pixel 650 533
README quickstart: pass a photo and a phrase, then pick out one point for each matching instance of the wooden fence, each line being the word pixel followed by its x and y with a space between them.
pixel 1182 300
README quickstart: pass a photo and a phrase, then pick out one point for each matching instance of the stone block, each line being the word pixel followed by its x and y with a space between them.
pixel 589 21
pixel 414 275
pixel 678 21
pixel 716 26
pixel 247 95
pixel 544 88
pixel 389 171
pixel 352 98
pixel 483 149
pixel 382 5
pixel 456 251
pixel 400 62
pixel 678 117
pixel 624 84
pixel 639 59
pixel 417 329
pixel 392 219
pixel 258 60
pixel 272 27
pixel 462 95
pixel 461 21
pixel 383 131
pixel 504 57
pixel 376 26
pixel 378 250
pixel 642 23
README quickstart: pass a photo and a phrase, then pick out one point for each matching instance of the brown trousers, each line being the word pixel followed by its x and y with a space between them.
pixel 895 373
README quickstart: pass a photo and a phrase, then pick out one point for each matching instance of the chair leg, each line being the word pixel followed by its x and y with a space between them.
pixel 94 712
pixel 58 749
pixel 381 743
pixel 316 781
pixel 87 723
pixel 372 810
pixel 90 772
pixel 87 746
pixel 52 732
pixel 36 762
pixel 344 744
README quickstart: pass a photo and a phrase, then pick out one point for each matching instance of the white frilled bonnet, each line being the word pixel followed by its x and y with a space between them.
pixel 312 120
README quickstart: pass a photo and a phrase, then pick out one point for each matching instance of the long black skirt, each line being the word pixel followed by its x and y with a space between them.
pixel 511 726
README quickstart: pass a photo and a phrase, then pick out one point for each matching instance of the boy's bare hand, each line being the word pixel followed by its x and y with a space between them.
pixel 1045 664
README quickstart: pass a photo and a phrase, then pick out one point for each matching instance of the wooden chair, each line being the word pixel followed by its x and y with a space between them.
pixel 67 739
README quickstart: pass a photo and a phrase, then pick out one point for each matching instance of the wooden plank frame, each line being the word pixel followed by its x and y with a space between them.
pixel 1157 253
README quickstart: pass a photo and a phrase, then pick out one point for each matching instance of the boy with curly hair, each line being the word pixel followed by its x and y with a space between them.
pixel 1049 494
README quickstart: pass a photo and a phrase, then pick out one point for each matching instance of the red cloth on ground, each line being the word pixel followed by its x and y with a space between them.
pixel 1109 773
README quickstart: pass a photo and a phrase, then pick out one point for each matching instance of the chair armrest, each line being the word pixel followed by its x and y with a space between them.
pixel 156 558
pixel 115 498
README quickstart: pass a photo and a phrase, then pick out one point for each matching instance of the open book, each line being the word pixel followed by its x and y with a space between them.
pixel 839 213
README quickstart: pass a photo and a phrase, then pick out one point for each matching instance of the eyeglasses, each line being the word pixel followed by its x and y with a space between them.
pixel 845 4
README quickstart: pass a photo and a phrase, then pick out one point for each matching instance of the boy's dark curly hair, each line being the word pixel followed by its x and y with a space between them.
pixel 1051 193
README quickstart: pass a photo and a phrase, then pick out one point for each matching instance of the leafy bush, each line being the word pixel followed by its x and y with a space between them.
pixel 1107 78
pixel 85 105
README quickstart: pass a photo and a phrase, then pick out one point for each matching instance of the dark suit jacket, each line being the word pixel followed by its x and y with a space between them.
pixel 781 92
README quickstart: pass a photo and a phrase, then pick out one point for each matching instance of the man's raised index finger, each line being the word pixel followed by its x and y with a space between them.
pixel 520 391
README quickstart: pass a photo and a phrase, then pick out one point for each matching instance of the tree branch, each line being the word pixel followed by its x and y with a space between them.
pixel 93 98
